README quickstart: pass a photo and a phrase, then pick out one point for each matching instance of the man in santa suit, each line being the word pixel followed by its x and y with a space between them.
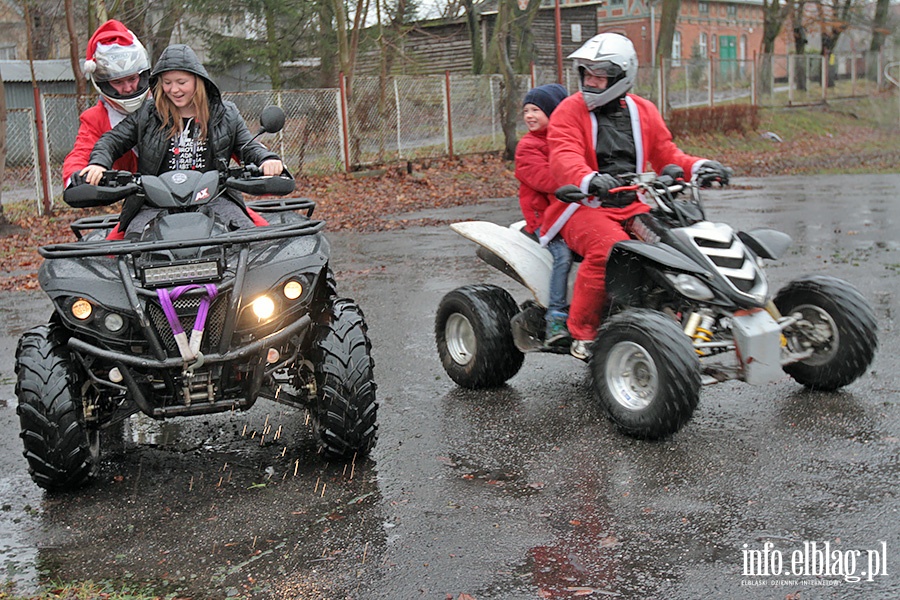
pixel 595 135
pixel 119 68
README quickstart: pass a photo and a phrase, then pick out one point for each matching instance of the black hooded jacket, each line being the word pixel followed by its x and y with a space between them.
pixel 145 131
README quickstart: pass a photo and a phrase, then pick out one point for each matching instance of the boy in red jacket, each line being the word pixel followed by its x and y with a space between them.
pixel 536 187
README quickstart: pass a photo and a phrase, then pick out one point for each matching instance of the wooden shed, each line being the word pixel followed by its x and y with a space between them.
pixel 52 76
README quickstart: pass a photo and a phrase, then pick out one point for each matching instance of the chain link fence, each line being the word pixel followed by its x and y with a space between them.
pixel 417 117
pixel 21 175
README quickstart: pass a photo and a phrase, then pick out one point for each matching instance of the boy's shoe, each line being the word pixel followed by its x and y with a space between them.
pixel 556 333
pixel 581 349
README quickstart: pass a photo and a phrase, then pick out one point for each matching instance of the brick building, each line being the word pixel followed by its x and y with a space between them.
pixel 706 29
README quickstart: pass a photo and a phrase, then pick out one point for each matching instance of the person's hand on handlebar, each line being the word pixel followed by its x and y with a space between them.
pixel 601 184
pixel 712 171
pixel 272 167
pixel 92 174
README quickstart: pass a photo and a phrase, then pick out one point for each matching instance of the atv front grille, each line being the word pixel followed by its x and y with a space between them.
pixel 186 308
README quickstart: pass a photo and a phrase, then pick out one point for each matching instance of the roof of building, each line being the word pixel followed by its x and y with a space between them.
pixel 44 70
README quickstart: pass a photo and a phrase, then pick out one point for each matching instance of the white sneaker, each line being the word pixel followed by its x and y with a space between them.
pixel 581 349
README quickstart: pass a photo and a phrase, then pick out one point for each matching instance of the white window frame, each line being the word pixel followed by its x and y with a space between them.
pixel 676 49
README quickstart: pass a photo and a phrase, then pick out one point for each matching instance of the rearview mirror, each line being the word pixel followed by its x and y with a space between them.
pixel 272 119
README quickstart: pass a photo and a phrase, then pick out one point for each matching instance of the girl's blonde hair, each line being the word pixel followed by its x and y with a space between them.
pixel 169 114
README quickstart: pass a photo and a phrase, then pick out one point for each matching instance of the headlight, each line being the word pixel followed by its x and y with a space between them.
pixel 292 289
pixel 690 286
pixel 82 309
pixel 113 322
pixel 263 308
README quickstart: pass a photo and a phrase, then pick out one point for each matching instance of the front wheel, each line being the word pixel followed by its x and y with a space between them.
pixel 645 373
pixel 836 322
pixel 62 453
pixel 474 337
pixel 345 410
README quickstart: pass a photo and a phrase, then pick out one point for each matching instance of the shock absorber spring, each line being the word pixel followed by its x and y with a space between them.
pixel 703 332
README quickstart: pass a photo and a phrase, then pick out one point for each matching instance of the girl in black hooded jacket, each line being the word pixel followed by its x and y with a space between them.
pixel 186 125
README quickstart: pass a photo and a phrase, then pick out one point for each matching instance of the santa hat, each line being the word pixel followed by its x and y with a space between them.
pixel 110 34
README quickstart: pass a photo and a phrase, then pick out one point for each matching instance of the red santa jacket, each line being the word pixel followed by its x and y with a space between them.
pixel 536 183
pixel 572 136
pixel 95 121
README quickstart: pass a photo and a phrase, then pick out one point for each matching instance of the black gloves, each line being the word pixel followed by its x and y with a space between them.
pixel 570 193
pixel 601 184
pixel 712 171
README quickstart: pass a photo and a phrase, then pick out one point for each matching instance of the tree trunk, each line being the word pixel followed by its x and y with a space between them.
pixel 474 27
pixel 879 31
pixel 525 42
pixel 800 41
pixel 880 25
pixel 667 21
pixel 273 58
pixel 80 87
pixel 327 46
pixel 509 106
pixel 840 20
pixel 160 39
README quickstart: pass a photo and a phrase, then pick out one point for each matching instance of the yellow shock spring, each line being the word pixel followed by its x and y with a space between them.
pixel 702 335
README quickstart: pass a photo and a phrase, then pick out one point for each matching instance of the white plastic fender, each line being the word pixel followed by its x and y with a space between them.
pixel 532 262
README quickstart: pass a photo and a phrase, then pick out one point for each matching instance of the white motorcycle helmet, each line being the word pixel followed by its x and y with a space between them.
pixel 114 52
pixel 609 55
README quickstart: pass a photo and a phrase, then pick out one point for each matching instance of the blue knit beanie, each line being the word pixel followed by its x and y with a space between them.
pixel 546 97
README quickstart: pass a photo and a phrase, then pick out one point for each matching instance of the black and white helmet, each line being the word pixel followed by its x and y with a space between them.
pixel 608 55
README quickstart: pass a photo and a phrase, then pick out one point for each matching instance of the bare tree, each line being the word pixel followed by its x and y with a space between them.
pixel 834 19
pixel 80 87
pixel 774 15
pixel 348 35
pixel 880 31
pixel 667 20
pixel 473 22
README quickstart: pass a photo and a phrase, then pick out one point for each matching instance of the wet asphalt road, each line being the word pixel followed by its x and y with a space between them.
pixel 522 492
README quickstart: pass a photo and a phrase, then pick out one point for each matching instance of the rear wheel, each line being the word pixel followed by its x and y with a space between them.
pixel 474 336
pixel 836 322
pixel 345 409
pixel 62 452
pixel 645 373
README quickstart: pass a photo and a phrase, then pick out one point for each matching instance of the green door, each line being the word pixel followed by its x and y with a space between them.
pixel 727 57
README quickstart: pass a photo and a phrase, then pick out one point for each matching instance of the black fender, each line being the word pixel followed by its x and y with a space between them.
pixel 625 273
pixel 766 243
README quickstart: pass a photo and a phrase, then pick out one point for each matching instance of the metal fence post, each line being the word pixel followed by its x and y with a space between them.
pixel 790 80
pixel 345 121
pixel 397 105
pixel 493 110
pixel 662 88
pixel 753 67
pixel 36 159
pixel 43 154
pixel 449 113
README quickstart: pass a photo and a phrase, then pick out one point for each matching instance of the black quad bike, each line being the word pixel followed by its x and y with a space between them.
pixel 193 318
pixel 689 306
